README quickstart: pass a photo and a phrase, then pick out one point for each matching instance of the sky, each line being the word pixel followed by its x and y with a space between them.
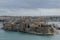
pixel 30 7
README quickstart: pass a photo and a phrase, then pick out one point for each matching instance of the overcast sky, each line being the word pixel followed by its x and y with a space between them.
pixel 30 7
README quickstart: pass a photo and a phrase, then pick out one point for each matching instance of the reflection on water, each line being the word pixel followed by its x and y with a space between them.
pixel 6 35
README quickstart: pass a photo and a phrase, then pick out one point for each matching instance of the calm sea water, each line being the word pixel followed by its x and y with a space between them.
pixel 4 35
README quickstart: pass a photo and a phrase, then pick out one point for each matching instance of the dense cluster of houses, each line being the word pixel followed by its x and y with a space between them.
pixel 29 25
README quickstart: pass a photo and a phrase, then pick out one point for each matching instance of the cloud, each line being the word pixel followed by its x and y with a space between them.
pixel 29 7
pixel 30 12
pixel 4 1
pixel 30 3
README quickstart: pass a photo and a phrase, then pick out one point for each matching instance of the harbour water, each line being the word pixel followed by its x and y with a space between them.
pixel 6 35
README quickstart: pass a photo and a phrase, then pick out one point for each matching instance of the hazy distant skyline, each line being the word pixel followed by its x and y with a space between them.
pixel 29 7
